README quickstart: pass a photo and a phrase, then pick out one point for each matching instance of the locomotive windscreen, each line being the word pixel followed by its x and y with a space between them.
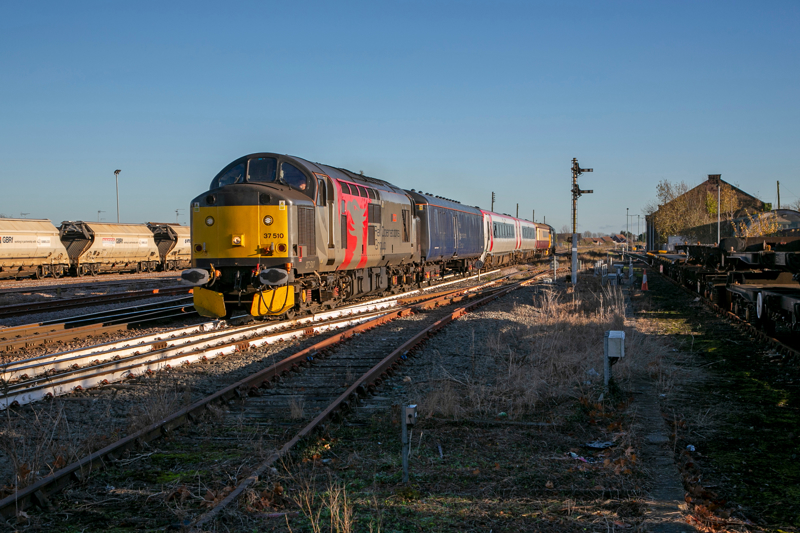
pixel 235 174
pixel 262 169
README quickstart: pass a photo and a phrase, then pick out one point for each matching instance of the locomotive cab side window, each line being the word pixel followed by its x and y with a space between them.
pixel 262 169
pixel 227 177
pixel 294 177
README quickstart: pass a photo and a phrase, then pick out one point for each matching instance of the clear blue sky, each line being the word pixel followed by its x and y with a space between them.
pixel 455 98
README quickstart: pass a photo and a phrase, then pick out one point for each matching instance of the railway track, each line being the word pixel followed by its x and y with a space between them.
pixel 740 323
pixel 92 324
pixel 30 380
pixel 105 280
pixel 260 385
pixel 87 301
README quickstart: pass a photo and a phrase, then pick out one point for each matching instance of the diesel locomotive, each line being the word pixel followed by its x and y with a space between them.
pixel 277 235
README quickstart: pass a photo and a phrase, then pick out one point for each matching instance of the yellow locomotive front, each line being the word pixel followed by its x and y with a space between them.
pixel 245 248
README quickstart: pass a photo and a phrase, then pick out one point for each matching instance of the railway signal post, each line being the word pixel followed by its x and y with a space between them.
pixel 576 193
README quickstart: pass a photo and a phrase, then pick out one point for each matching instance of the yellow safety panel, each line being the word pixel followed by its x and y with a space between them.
pixel 209 303
pixel 244 221
pixel 273 302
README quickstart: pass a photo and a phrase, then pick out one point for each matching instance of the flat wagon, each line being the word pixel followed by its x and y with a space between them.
pixel 97 247
pixel 31 247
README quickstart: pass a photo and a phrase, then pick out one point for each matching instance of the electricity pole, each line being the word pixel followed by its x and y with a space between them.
pixel 98 214
pixel 576 193
pixel 779 195
pixel 177 212
pixel 518 209
pixel 492 209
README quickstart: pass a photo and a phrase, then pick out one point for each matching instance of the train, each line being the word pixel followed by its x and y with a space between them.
pixel 37 248
pixel 276 235
pixel 755 278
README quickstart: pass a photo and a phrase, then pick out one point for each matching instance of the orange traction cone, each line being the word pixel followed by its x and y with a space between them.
pixel 644 281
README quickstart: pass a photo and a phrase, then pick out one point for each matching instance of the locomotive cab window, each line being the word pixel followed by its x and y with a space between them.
pixel 262 169
pixel 321 192
pixel 227 177
pixel 294 177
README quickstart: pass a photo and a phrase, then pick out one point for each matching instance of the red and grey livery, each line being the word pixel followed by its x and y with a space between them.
pixel 341 235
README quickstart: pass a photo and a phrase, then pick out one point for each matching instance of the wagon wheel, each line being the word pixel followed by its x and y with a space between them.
pixel 80 271
pixel 39 273
pixel 93 269
pixel 57 272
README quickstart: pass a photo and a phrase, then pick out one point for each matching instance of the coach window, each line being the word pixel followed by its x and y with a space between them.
pixel 262 169
pixel 229 176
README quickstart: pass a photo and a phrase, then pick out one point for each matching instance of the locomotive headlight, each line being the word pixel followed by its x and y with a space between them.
pixel 237 240
pixel 267 220
pixel 209 221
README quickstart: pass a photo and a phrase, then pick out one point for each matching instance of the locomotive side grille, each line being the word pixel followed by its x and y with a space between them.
pixel 305 228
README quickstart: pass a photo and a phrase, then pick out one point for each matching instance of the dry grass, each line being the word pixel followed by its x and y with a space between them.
pixel 297 408
pixel 545 352
pixel 329 509
pixel 163 398
pixel 37 449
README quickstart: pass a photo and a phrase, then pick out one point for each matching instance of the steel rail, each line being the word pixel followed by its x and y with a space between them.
pixel 36 493
pixel 46 364
pixel 368 382
pixel 26 337
pixel 65 375
pixel 84 301
pixel 19 286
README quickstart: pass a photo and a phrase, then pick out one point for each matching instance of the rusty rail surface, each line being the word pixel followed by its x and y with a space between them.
pixel 36 493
